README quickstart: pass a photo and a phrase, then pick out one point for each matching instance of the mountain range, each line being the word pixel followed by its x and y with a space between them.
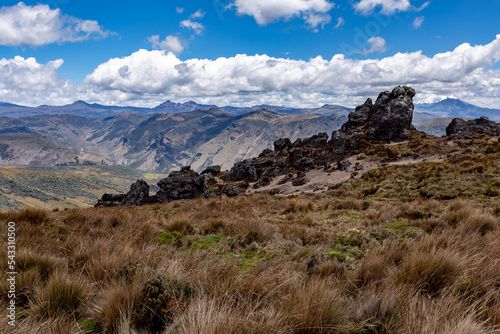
pixel 423 112
pixel 81 108
pixel 173 135
pixel 159 142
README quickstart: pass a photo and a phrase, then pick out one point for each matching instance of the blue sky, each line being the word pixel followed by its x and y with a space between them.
pixel 244 52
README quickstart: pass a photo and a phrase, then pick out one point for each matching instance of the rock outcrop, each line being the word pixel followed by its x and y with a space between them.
pixel 389 119
pixel 179 185
pixel 137 195
pixel 459 128
pixel 288 157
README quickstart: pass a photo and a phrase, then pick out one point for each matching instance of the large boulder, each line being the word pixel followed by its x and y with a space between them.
pixel 389 119
pixel 248 170
pixel 183 184
pixel 212 170
pixel 137 195
pixel 281 143
pixel 459 128
pixel 179 185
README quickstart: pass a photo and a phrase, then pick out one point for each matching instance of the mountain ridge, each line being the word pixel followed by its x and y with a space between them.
pixel 449 107
pixel 159 142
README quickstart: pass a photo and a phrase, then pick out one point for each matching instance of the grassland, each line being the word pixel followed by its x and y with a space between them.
pixel 63 187
pixel 403 249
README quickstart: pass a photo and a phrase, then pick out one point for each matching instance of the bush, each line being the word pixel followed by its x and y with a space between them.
pixel 160 301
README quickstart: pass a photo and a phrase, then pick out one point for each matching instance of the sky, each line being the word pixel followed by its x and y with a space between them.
pixel 296 53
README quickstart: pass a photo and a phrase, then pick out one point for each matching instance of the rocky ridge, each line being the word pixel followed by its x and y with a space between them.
pixel 459 128
pixel 369 126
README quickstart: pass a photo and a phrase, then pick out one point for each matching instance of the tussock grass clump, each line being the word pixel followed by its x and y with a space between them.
pixel 460 215
pixel 29 215
pixel 43 264
pixel 429 271
pixel 181 225
pixel 117 304
pixel 62 296
pixel 315 308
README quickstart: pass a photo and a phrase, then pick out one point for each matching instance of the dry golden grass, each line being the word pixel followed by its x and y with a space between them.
pixel 319 263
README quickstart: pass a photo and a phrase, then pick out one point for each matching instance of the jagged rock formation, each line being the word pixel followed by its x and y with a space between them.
pixel 389 119
pixel 288 157
pixel 459 128
pixel 137 195
pixel 179 185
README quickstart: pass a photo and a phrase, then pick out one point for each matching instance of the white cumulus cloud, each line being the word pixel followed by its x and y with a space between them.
pixel 197 27
pixel 199 14
pixel 171 43
pixel 149 77
pixel 462 72
pixel 377 44
pixel 268 11
pixel 25 81
pixel 387 6
pixel 40 25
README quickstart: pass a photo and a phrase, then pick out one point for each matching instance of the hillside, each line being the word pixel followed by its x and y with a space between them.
pixel 374 230
pixel 158 143
pixel 374 254
pixel 64 186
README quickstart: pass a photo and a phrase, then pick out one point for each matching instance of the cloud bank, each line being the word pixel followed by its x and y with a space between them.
pixel 39 25
pixel 149 77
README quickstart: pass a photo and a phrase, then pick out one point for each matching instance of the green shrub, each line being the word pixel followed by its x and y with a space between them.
pixel 160 301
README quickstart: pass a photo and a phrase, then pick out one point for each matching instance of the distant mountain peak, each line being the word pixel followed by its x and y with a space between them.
pixel 453 101
pixel 80 102
pixel 453 107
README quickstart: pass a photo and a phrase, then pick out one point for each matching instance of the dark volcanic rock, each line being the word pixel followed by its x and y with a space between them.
pixel 185 184
pixel 281 144
pixel 389 119
pixel 248 170
pixel 235 191
pixel 318 140
pixel 267 153
pixel 459 128
pixel 343 165
pixel 179 185
pixel 137 195
pixel 212 170
pixel 107 197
